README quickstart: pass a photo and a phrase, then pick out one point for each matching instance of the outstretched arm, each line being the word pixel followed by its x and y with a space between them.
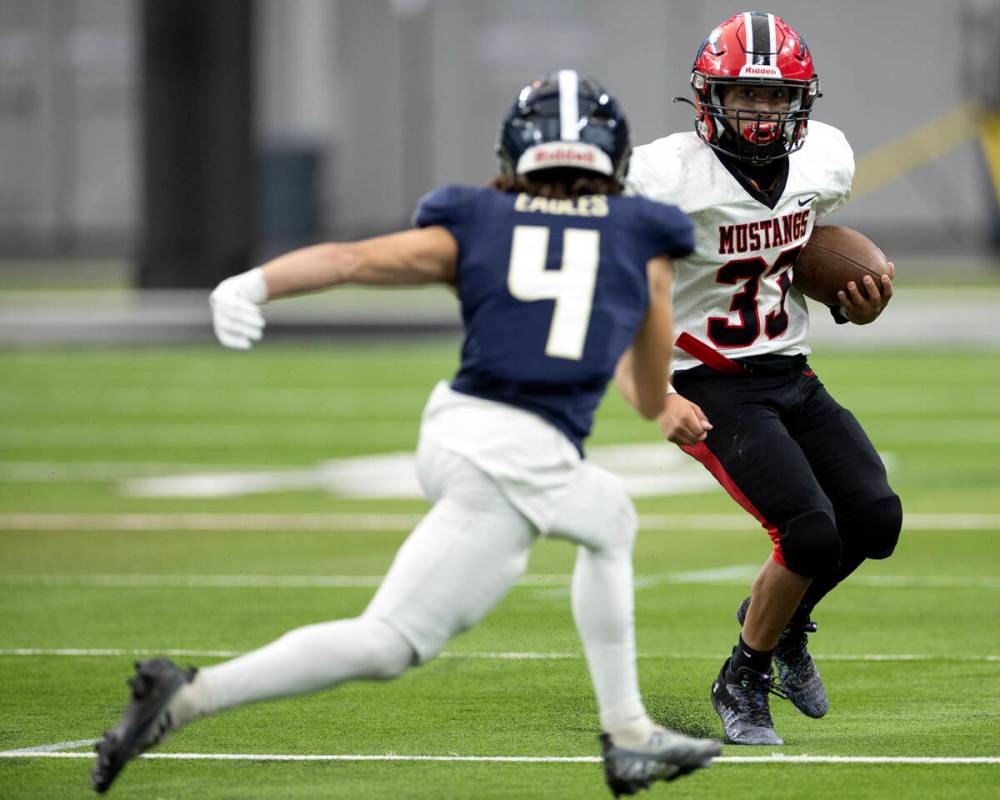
pixel 409 258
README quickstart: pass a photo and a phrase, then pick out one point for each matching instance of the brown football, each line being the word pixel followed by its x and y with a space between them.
pixel 833 257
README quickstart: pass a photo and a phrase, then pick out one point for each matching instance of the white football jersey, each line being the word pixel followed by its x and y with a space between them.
pixel 734 292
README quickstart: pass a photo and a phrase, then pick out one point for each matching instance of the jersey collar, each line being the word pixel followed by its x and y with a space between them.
pixel 746 177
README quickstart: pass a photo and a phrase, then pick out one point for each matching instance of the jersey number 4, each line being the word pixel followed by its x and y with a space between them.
pixel 721 331
pixel 571 286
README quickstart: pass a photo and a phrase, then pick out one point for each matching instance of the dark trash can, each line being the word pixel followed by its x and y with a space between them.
pixel 289 196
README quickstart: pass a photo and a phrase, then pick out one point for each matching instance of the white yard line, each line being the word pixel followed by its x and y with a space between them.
pixel 486 655
pixel 56 747
pixel 102 652
pixel 771 759
pixel 203 581
pixel 671 523
pixel 739 574
pixel 39 471
pixel 209 522
pixel 911 522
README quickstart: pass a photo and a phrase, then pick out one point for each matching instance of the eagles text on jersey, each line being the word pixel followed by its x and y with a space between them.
pixel 552 292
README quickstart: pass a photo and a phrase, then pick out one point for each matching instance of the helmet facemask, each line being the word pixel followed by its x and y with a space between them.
pixel 751 135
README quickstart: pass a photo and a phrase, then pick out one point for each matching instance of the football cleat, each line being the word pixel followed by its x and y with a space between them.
pixel 740 700
pixel 796 670
pixel 146 721
pixel 665 757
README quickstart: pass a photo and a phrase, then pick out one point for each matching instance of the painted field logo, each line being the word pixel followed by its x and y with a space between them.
pixel 648 470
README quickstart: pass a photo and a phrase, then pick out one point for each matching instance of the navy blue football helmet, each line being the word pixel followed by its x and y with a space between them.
pixel 564 119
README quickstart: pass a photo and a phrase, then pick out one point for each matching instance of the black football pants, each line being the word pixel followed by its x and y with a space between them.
pixel 797 460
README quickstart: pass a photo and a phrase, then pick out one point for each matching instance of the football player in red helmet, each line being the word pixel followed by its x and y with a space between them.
pixel 754 87
pixel 754 176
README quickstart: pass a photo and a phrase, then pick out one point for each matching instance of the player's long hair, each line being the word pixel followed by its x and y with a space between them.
pixel 557 184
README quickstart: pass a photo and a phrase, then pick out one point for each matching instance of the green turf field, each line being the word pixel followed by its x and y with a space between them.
pixel 89 576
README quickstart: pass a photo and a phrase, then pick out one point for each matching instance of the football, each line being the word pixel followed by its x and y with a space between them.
pixel 833 257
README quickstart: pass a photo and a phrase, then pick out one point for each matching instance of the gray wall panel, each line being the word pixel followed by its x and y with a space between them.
pixel 401 95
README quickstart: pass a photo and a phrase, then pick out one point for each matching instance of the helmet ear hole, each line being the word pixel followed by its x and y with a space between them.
pixel 705 128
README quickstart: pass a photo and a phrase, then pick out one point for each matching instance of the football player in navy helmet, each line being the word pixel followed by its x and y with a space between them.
pixel 536 134
pixel 558 275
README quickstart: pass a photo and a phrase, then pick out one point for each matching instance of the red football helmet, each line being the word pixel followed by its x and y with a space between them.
pixel 760 49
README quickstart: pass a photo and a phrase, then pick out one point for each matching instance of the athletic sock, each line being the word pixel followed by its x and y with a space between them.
pixel 603 611
pixel 744 656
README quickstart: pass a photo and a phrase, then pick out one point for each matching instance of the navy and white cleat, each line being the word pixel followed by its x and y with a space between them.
pixel 146 721
pixel 665 757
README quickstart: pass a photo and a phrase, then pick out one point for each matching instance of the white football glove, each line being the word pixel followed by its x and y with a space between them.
pixel 236 314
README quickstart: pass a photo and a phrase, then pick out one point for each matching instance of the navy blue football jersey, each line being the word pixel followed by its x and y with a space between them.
pixel 552 292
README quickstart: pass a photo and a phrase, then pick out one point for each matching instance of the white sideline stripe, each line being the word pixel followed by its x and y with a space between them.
pixel 672 523
pixel 209 522
pixel 740 572
pixel 52 748
pixel 33 471
pixel 486 655
pixel 732 522
pixel 101 652
pixel 203 581
pixel 722 575
pixel 771 759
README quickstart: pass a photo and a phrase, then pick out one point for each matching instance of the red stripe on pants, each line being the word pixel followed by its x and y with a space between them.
pixel 713 465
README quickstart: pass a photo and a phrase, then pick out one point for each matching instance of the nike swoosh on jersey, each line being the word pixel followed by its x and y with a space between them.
pixel 804 201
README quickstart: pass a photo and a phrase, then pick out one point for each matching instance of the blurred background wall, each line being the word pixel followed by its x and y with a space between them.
pixel 361 106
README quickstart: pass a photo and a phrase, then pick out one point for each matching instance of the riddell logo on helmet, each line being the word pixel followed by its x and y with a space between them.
pixel 576 155
pixel 567 154
pixel 759 71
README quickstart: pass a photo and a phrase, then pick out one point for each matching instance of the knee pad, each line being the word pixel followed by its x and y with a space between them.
pixel 881 523
pixel 594 510
pixel 810 544
pixel 624 521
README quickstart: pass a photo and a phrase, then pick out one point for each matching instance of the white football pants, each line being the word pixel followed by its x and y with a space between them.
pixel 459 562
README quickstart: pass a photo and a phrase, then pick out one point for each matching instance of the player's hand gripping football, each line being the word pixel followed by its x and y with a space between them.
pixel 236 314
pixel 682 422
pixel 862 305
